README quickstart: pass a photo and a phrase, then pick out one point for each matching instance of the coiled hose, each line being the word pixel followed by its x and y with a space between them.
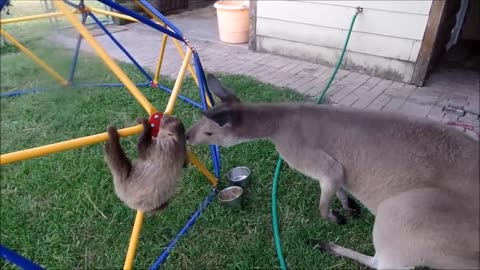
pixel 276 230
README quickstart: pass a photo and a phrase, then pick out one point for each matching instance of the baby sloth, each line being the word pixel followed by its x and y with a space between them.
pixel 148 183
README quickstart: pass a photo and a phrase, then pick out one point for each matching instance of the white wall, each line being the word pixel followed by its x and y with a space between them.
pixel 385 41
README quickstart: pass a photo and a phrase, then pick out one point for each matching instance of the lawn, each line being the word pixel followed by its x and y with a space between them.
pixel 60 210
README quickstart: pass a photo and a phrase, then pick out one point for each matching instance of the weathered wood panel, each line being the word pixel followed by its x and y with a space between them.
pixel 388 68
pixel 421 7
pixel 387 23
pixel 386 39
pixel 385 46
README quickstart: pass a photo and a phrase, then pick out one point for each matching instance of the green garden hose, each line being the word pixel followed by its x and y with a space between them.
pixel 276 230
pixel 276 233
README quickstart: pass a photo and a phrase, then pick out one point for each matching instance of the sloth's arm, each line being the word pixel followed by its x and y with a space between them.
pixel 145 139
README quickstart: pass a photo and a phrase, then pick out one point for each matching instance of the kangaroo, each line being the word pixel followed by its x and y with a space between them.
pixel 148 183
pixel 419 178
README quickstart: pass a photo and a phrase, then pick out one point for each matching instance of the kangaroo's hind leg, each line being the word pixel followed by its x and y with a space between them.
pixel 145 138
pixel 426 227
pixel 337 250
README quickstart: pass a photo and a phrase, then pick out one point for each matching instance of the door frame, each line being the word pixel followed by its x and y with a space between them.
pixel 435 18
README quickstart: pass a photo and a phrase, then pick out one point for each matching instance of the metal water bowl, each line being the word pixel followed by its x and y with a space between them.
pixel 231 196
pixel 239 176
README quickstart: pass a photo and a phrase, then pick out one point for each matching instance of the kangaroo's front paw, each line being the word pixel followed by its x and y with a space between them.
pixel 353 213
pixel 353 208
pixel 337 218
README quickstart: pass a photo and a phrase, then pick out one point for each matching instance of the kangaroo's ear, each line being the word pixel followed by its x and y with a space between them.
pixel 223 93
pixel 223 116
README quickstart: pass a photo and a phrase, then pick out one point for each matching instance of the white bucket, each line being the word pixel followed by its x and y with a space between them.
pixel 233 21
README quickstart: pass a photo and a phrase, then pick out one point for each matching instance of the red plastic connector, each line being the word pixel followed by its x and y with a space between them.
pixel 154 120
pixel 83 9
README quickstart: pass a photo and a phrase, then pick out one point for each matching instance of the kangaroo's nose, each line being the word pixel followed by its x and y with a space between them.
pixel 187 137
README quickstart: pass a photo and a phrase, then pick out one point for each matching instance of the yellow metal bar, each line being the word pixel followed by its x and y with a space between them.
pixel 106 58
pixel 182 54
pixel 113 14
pixel 190 69
pixel 197 163
pixel 178 83
pixel 169 110
pixel 160 58
pixel 137 228
pixel 181 74
pixel 177 45
pixel 34 17
pixel 164 40
pixel 63 146
pixel 146 10
pixel 35 58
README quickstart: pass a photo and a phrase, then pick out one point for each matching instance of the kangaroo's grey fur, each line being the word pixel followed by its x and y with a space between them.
pixel 419 178
pixel 148 183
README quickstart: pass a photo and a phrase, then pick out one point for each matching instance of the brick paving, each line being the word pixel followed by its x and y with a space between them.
pixel 450 95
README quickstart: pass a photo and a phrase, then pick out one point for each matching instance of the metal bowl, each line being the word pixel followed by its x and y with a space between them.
pixel 239 176
pixel 231 196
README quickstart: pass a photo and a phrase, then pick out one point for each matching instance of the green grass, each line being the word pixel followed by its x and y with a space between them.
pixel 29 32
pixel 60 210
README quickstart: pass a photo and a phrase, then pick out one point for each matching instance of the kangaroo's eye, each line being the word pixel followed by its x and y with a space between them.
pixel 208 133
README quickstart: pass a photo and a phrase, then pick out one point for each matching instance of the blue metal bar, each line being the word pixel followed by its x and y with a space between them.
pixel 19 93
pixel 202 79
pixel 213 153
pixel 161 259
pixel 215 156
pixel 219 159
pixel 164 88
pixel 71 4
pixel 209 94
pixel 2 4
pixel 77 51
pixel 203 90
pixel 34 91
pixel 120 46
pixel 17 259
pixel 182 97
pixel 160 16
pixel 201 85
pixel 141 19
pixel 216 149
pixel 107 84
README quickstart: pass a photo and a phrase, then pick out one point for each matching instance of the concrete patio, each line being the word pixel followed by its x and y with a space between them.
pixel 449 95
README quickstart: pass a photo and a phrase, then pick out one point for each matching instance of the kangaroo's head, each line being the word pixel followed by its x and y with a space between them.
pixel 220 124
